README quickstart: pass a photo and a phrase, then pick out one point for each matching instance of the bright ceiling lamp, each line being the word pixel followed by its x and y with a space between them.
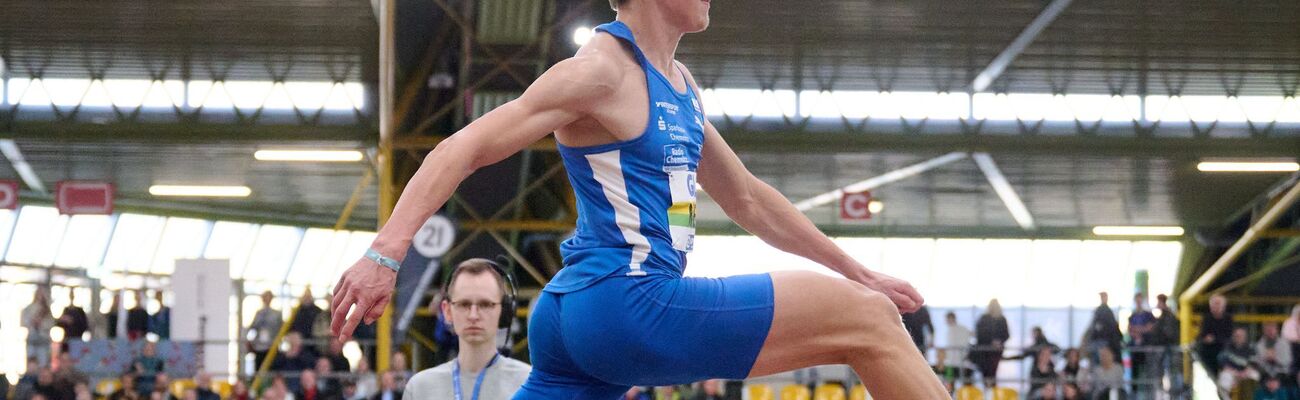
pixel 199 191
pixel 1137 231
pixel 307 155
pixel 1257 165
pixel 582 35
pixel 875 206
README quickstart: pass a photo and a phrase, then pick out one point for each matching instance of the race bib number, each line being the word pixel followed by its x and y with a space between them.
pixel 681 215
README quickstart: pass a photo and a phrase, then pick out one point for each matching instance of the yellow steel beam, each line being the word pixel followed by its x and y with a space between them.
pixel 356 198
pixel 1252 234
pixel 387 198
pixel 1280 233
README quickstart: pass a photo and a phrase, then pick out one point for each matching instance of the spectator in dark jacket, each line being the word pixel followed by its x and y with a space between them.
pixel 1216 330
pixel 991 334
pixel 918 325
pixel 1103 331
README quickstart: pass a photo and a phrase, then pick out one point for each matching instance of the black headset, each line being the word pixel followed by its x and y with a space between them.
pixel 507 298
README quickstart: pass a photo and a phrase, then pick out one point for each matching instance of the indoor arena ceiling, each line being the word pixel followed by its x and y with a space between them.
pixel 1102 46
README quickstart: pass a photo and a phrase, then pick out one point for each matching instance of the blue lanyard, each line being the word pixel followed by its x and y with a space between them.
pixel 455 377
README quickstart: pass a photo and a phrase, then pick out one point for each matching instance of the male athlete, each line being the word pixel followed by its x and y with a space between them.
pixel 634 141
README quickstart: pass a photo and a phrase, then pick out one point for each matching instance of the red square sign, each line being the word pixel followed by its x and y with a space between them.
pixel 82 197
pixel 8 194
pixel 855 206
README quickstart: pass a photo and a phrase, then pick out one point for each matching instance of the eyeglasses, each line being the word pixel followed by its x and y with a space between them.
pixel 466 306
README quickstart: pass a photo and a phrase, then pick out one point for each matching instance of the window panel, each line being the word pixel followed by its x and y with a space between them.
pixel 231 241
pixel 37 236
pixel 84 242
pixel 134 242
pixel 182 238
pixel 336 259
pixel 6 228
pixel 314 250
pixel 272 253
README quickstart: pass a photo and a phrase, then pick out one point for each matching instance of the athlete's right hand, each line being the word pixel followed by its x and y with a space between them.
pixel 899 291
pixel 366 285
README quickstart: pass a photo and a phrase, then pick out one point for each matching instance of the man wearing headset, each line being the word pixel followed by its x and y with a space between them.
pixel 477 300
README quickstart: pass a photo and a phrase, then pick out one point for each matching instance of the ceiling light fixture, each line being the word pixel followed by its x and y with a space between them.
pixel 1137 231
pixel 1282 165
pixel 200 191
pixel 307 155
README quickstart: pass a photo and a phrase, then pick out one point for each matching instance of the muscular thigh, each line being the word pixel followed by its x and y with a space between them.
pixel 818 319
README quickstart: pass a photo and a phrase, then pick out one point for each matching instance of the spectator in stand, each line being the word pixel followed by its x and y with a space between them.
pixel 261 333
pixel 638 393
pixel 239 391
pixel 326 382
pixel 309 387
pixel 1044 372
pixel 137 318
pixel 397 365
pixel 67 377
pixel 1033 350
pixel 46 386
pixel 991 334
pixel 1267 363
pixel 1291 333
pixel 162 387
pixel 73 320
pixel 305 317
pixel 1044 392
pixel 920 328
pixel 203 381
pixel 1107 376
pixel 160 323
pixel 1103 330
pixel 388 388
pixel 1216 330
pixel 128 390
pixel 38 320
pixel 1070 371
pixel 27 382
pixel 1166 335
pixel 1070 391
pixel 334 353
pixel 1272 389
pixel 320 333
pixel 1141 327
pixel 956 350
pixel 1272 339
pixel 367 382
pixel 296 359
pixel 711 390
pixel 146 366
pixel 114 326
pixel 1234 361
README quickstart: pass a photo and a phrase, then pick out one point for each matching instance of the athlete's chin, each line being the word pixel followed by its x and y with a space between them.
pixel 699 25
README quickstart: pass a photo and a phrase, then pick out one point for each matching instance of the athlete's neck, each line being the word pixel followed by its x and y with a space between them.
pixel 474 356
pixel 656 38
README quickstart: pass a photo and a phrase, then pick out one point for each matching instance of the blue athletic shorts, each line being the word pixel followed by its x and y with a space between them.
pixel 599 341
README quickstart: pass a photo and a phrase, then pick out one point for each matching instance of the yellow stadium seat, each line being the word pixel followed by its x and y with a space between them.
pixel 222 388
pixel 795 392
pixel 760 391
pixel 179 386
pixel 1005 394
pixel 859 392
pixel 970 393
pixel 829 391
pixel 106 387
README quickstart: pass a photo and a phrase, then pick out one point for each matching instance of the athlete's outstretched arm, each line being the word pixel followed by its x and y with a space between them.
pixel 560 96
pixel 765 212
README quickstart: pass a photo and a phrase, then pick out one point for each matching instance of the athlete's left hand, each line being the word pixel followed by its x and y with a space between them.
pixel 899 291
